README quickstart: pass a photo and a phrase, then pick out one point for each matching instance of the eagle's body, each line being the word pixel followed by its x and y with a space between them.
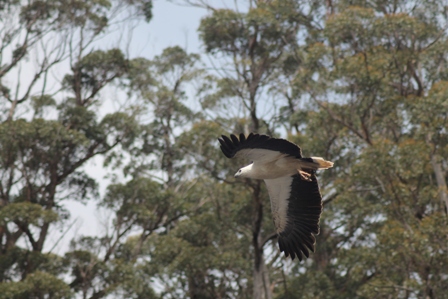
pixel 296 201
pixel 270 166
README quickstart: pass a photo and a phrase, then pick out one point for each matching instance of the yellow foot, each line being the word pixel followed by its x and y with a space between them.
pixel 305 175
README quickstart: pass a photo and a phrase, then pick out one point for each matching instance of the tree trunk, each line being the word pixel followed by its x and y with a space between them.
pixel 440 179
pixel 261 288
pixel 262 283
pixel 440 176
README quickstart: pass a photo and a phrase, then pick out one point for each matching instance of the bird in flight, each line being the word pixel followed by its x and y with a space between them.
pixel 296 202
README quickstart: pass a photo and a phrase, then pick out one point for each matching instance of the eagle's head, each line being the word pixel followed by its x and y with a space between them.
pixel 244 172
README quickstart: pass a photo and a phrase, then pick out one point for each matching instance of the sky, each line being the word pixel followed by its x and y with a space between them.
pixel 171 25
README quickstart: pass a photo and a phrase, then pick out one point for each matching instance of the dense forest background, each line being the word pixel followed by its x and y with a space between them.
pixel 363 83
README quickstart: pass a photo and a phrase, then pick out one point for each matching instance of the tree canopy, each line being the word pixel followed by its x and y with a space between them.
pixel 362 83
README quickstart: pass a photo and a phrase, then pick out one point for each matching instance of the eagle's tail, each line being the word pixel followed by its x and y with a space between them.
pixel 307 166
pixel 315 163
pixel 322 164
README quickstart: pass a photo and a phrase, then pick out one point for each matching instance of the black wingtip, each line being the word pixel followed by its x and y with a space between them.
pixel 235 143
pixel 242 137
pixel 235 140
pixel 225 148
pixel 230 146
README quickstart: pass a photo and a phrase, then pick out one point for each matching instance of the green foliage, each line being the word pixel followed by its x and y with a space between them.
pixel 93 72
pixel 40 102
pixel 270 25
pixel 209 251
pixel 42 154
pixel 89 14
pixel 36 285
pixel 361 83
pixel 141 200
pixel 165 100
pixel 23 212
pixel 372 236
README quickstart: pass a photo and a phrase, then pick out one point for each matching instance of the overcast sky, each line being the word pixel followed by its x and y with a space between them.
pixel 171 25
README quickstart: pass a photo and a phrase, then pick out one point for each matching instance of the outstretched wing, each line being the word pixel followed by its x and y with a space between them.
pixel 296 208
pixel 257 147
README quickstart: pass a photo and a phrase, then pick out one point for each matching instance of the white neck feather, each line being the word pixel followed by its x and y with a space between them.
pixel 246 171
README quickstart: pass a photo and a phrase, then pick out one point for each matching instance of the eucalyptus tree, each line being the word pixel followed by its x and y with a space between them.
pixel 48 133
pixel 361 83
pixel 253 44
pixel 380 111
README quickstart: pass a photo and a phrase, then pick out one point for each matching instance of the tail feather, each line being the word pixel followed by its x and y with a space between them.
pixel 315 163
pixel 323 164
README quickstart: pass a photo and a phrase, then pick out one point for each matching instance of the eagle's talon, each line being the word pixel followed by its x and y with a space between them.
pixel 305 175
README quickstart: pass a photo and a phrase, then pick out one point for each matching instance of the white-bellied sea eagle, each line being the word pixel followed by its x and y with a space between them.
pixel 296 202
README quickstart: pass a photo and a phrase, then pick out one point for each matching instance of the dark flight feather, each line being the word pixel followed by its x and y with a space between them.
pixel 304 209
pixel 230 146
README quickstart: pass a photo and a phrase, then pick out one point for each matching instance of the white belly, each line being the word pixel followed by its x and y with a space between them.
pixel 279 168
